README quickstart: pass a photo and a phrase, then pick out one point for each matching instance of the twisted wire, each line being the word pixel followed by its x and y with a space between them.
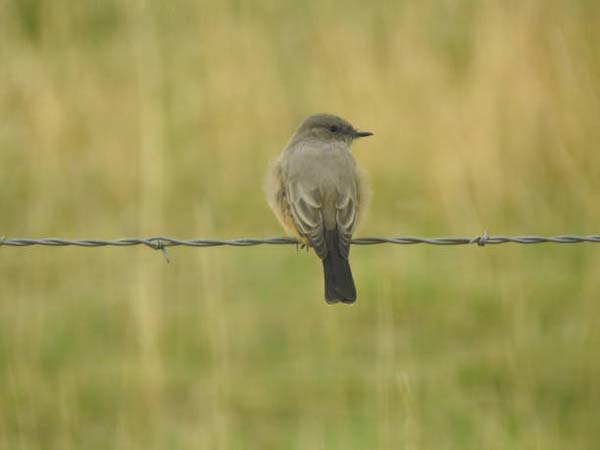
pixel 162 242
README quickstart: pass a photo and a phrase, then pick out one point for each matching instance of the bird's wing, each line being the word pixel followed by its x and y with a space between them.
pixel 305 205
pixel 346 218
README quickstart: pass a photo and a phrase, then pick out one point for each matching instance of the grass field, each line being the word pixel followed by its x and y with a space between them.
pixel 133 118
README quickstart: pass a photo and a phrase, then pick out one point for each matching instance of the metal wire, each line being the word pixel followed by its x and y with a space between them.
pixel 162 242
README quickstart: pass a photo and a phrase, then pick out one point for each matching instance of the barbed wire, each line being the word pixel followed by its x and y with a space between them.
pixel 161 242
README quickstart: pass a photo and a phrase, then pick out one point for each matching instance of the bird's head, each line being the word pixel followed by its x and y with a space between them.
pixel 329 128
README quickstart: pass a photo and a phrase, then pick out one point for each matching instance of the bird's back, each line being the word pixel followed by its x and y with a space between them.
pixel 327 169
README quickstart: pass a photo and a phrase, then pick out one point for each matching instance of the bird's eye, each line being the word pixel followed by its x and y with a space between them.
pixel 333 128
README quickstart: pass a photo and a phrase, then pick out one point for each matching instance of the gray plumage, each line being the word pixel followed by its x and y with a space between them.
pixel 317 192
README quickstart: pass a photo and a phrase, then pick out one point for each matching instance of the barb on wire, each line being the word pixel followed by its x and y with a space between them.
pixel 162 243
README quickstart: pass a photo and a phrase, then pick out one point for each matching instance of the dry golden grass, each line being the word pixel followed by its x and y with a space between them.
pixel 139 118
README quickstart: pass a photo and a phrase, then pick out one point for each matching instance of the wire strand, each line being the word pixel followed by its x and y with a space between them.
pixel 162 242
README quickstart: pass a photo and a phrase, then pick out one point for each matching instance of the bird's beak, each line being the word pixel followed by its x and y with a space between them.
pixel 359 134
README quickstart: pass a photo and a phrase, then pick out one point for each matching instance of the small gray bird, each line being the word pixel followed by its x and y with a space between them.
pixel 317 193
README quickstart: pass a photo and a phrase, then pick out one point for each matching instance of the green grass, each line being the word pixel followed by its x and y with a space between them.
pixel 142 118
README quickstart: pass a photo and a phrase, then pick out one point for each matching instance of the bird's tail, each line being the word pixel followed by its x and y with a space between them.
pixel 339 284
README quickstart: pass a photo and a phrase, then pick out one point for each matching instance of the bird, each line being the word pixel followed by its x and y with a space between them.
pixel 318 193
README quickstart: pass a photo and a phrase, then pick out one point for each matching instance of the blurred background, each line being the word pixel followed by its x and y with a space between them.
pixel 139 118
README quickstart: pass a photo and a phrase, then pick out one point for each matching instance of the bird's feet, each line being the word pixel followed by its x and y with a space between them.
pixel 301 246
